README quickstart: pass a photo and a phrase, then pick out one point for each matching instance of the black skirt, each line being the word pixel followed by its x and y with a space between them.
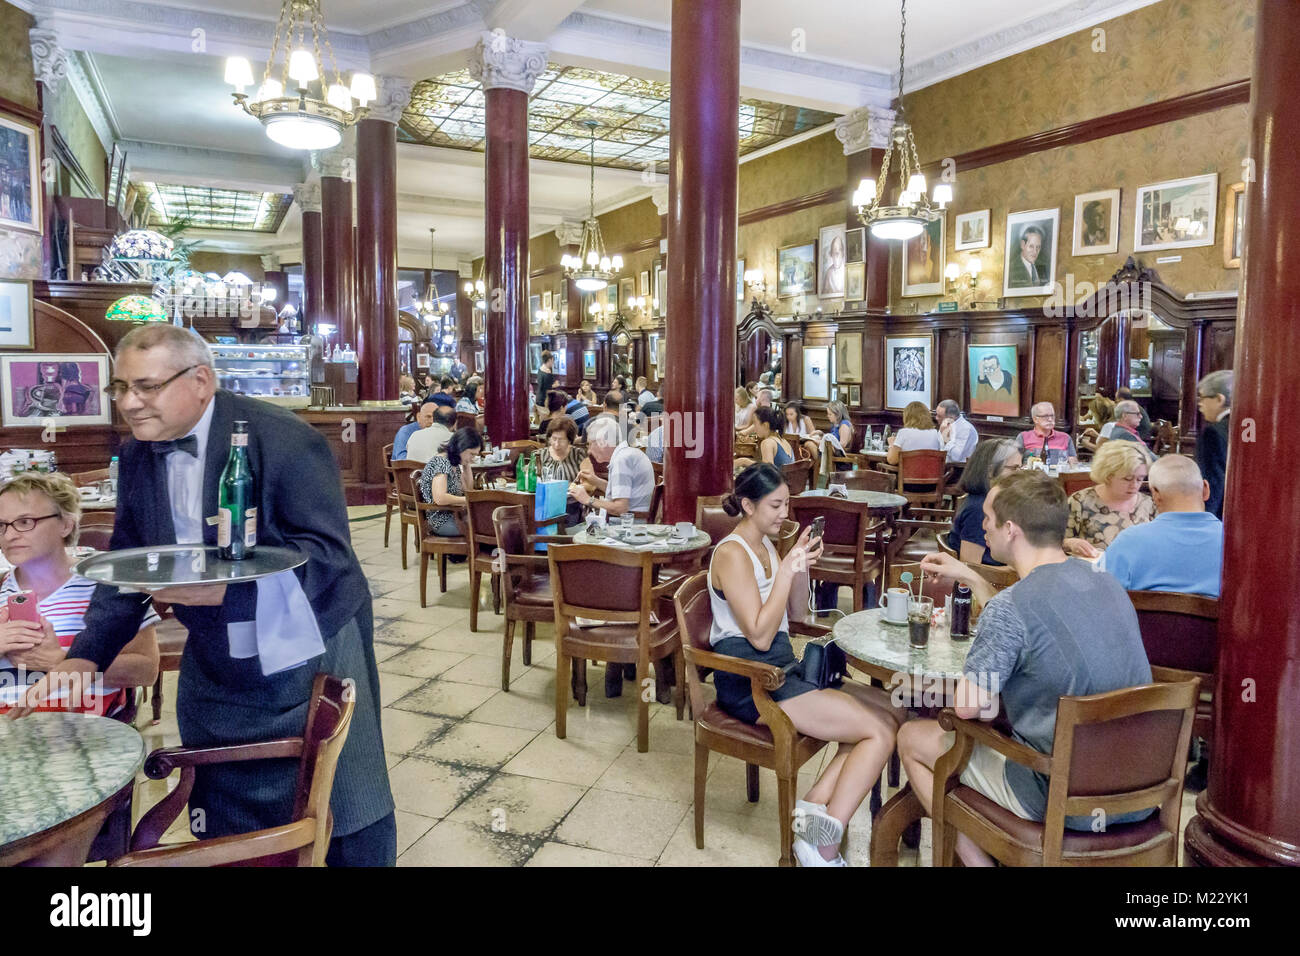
pixel 735 695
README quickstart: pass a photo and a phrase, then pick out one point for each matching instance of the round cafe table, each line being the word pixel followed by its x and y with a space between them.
pixel 883 652
pixel 878 503
pixel 666 549
pixel 64 773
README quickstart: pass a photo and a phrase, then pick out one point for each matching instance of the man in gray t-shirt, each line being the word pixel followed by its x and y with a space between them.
pixel 1062 630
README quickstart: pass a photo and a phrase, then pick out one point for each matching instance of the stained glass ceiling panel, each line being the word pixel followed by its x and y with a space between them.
pixel 208 208
pixel 448 110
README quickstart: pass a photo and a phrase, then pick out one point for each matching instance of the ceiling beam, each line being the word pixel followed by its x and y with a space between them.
pixel 530 19
pixel 194 166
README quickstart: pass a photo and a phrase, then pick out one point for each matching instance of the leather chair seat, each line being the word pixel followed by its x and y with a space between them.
pixel 535 593
pixel 718 721
pixel 617 642
pixel 1030 834
pixel 841 564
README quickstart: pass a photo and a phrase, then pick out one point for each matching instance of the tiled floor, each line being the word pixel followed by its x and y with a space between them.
pixel 479 777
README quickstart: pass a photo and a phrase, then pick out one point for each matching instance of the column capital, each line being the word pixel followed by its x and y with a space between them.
pixel 394 96
pixel 569 232
pixel 341 161
pixel 503 62
pixel 49 60
pixel 660 196
pixel 270 262
pixel 867 127
pixel 307 196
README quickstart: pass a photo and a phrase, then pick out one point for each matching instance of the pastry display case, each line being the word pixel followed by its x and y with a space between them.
pixel 274 373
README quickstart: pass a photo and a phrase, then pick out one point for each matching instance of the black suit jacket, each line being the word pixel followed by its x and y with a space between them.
pixel 300 504
pixel 1212 457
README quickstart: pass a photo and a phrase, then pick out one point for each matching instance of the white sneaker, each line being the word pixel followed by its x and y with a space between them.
pixel 807 855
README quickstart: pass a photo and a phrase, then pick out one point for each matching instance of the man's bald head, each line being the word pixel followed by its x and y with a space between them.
pixel 1177 485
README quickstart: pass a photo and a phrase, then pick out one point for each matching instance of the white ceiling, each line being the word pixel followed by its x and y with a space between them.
pixel 157 89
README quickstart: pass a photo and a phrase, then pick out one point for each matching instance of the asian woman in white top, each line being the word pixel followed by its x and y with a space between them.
pixel 752 593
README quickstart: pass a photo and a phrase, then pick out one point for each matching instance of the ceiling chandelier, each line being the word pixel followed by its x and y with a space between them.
pixel 908 216
pixel 431 306
pixel 314 112
pixel 478 288
pixel 591 270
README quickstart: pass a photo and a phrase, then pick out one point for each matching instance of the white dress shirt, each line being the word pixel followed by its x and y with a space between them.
pixel 962 439
pixel 185 483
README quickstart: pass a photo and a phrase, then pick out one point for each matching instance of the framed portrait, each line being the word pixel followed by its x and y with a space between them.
pixel 740 280
pixel 855 395
pixel 923 258
pixel 661 289
pixel 796 268
pixel 68 388
pixel 20 184
pixel 972 230
pixel 534 356
pixel 831 242
pixel 1096 223
pixel 1177 214
pixel 855 245
pixel 855 281
pixel 817 373
pixel 561 363
pixel 589 364
pixel 547 300
pixel 643 285
pixel 1030 264
pixel 653 347
pixel 1234 225
pixel 848 357
pixel 626 290
pixel 909 370
pixel 661 353
pixel 421 358
pixel 994 380
pixel 16 329
pixel 534 306
pixel 478 361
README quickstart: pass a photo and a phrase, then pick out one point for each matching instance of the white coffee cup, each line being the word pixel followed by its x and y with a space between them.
pixel 684 529
pixel 894 601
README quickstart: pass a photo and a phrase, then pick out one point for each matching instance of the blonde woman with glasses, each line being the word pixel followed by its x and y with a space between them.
pixel 1115 502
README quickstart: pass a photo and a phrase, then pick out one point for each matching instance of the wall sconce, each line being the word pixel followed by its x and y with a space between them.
pixel 754 281
pixel 953 273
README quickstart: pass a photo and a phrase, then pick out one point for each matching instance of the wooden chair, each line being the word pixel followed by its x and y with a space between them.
pixel 303 841
pixel 797 446
pixel 523 445
pixel 798 475
pixel 390 490
pixel 96 529
pixel 1165 439
pixel 1076 481
pixel 774 743
pixel 405 474
pixel 941 539
pixel 1115 752
pixel 1000 576
pixel 865 479
pixel 658 467
pixel 525 582
pixel 479 506
pixel 435 544
pixel 1181 635
pixel 934 587
pixel 713 521
pixel 844 558
pixel 923 478
pixel 614 586
pixel 652 514
pixel 83 479
pixel 745 448
pixel 466 420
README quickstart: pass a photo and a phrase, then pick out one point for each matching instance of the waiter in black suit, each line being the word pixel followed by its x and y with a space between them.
pixel 1214 399
pixel 254 648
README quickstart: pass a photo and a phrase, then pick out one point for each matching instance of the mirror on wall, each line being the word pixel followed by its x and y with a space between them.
pixel 620 357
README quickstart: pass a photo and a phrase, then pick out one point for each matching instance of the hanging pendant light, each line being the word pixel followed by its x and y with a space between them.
pixel 300 108
pixel 912 210
pixel 591 269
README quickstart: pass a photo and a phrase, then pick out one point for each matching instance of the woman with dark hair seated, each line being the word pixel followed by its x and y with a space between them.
pixel 772 448
pixel 798 423
pixel 751 592
pixel 991 459
pixel 562 458
pixel 469 399
pixel 445 478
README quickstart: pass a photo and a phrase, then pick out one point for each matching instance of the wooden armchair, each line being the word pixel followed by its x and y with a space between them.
pixel 96 529
pixel 1165 439
pixel 844 558
pixel 865 479
pixel 432 545
pixel 390 490
pixel 923 480
pixel 617 587
pixel 651 515
pixel 1076 481
pixel 303 841
pixel 774 743
pixel 405 474
pixel 1181 635
pixel 798 475
pixel 466 420
pixel 525 581
pixel 479 506
pixel 84 479
pixel 1113 753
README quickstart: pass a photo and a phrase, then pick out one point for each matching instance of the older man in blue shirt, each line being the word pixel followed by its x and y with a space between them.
pixel 1182 549
pixel 423 419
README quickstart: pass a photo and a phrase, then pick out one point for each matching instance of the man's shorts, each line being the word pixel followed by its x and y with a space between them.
pixel 986 772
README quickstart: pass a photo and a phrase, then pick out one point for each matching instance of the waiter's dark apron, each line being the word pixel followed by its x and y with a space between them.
pixel 223 700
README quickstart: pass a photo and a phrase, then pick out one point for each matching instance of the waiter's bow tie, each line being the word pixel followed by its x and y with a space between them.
pixel 189 444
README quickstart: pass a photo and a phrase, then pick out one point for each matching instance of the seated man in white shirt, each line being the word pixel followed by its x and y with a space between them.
pixel 643 393
pixel 431 438
pixel 631 480
pixel 959 435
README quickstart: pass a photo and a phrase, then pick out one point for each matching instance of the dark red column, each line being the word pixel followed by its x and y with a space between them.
pixel 377 244
pixel 337 261
pixel 701 327
pixel 1250 814
pixel 313 271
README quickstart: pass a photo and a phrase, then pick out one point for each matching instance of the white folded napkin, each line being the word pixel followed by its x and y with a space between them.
pixel 285 633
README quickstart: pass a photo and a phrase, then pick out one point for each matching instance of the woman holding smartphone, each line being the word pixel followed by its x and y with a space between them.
pixel 39 519
pixel 752 592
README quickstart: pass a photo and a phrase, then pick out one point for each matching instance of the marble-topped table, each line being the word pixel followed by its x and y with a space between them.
pixel 63 774
pixel 877 502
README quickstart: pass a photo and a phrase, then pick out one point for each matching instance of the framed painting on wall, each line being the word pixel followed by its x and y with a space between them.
pixel 855 281
pixel 1030 266
pixel 20 184
pixel 831 242
pixel 653 347
pixel 923 258
pixel 848 357
pixel 661 289
pixel 855 395
pixel 68 388
pixel 1234 225
pixel 909 371
pixel 547 300
pixel 972 230
pixel 534 356
pixel 626 290
pixel 817 373
pixel 661 354
pixel 1177 214
pixel 643 286
pixel 534 306
pixel 16 329
pixel 796 268
pixel 561 353
pixel 994 385
pixel 478 361
pixel 589 364
pixel 855 245
pixel 1096 223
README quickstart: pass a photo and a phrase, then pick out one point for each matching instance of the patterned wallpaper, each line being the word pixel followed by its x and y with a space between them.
pixel 1154 53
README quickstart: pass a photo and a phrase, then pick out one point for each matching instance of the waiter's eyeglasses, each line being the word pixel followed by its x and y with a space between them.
pixel 117 388
pixel 24 524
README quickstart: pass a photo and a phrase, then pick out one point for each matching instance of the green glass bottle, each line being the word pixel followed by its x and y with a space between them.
pixel 521 472
pixel 532 474
pixel 236 508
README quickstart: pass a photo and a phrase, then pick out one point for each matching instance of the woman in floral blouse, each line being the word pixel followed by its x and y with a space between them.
pixel 1115 502
pixel 445 478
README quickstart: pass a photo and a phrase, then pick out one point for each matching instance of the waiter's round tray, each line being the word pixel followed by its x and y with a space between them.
pixel 184 564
